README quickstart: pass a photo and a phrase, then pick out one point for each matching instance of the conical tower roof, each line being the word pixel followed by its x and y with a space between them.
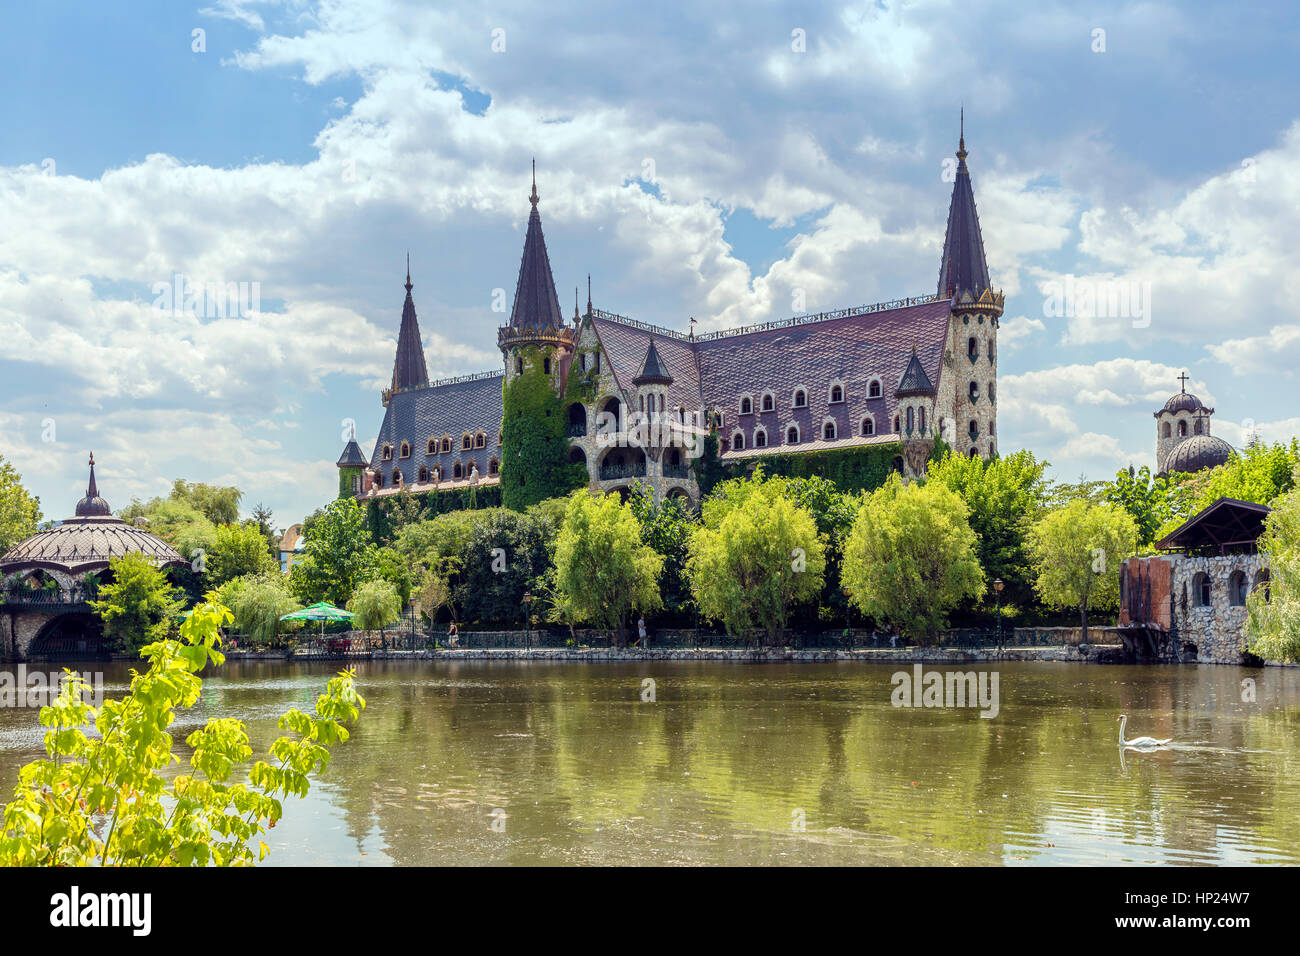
pixel 652 371
pixel 409 370
pixel 914 380
pixel 963 268
pixel 536 307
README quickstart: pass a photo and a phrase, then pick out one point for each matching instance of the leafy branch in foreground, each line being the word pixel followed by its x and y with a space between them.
pixel 104 801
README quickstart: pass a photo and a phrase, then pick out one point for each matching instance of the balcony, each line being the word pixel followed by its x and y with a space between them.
pixel 576 431
pixel 677 471
pixel 617 472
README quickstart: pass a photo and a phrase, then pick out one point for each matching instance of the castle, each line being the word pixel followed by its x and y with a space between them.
pixel 878 379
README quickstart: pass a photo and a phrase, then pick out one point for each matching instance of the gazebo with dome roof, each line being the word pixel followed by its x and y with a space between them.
pixel 45 610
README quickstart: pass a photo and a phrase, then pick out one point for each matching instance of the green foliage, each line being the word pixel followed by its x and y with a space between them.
pixel 1060 494
pixel 505 555
pixel 263 518
pixel 603 569
pixel 219 505
pixel 911 557
pixel 666 527
pixel 1076 553
pixel 1261 473
pixel 1146 500
pixel 337 556
pixel 257 603
pixel 756 554
pixel 236 551
pixel 862 468
pixel 138 606
pixel 178 523
pixel 20 512
pixel 534 447
pixel 375 604
pixel 388 517
pixel 1273 625
pixel 104 801
pixel 1003 496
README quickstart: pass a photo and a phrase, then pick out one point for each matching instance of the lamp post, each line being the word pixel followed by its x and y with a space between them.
pixel 848 626
pixel 997 591
pixel 414 602
pixel 528 634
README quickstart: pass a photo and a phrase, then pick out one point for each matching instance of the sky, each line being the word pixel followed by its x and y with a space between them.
pixel 1134 167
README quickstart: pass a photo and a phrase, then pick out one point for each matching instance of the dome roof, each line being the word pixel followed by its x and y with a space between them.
pixel 1197 452
pixel 1183 402
pixel 88 541
pixel 80 545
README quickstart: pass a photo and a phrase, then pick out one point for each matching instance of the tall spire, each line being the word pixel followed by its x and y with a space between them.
pixel 589 293
pixel 91 490
pixel 93 506
pixel 409 370
pixel 963 268
pixel 536 307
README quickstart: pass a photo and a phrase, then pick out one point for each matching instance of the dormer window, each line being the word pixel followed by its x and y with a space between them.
pixel 746 406
pixel 457 471
pixel 424 474
pixel 828 431
pixel 480 440
pixel 760 438
pixel 446 443
pixel 792 435
pixel 738 442
pixel 868 426
pixel 800 398
pixel 388 453
pixel 432 447
pixel 492 467
pixel 873 389
pixel 769 402
pixel 837 394
pixel 405 450
pixel 397 477
pixel 466 442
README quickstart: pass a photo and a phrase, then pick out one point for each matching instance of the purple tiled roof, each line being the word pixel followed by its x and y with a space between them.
pixel 452 407
pixel 962 268
pixel 850 351
pixel 536 307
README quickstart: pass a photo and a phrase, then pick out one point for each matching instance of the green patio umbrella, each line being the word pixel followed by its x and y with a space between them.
pixel 319 612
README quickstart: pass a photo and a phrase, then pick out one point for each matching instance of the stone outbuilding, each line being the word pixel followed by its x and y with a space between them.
pixel 50 577
pixel 1190 604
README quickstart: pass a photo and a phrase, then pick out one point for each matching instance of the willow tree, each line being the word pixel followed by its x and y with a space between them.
pixel 910 557
pixel 756 554
pixel 1077 551
pixel 603 570
pixel 1273 626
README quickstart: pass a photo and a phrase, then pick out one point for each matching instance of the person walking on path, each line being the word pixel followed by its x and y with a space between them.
pixel 642 638
pixel 453 635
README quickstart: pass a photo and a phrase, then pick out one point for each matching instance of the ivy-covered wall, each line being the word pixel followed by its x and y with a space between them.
pixel 863 468
pixel 534 446
pixel 383 514
pixel 345 481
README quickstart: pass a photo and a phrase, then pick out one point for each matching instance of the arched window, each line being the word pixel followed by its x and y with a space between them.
pixel 910 421
pixel 792 435
pixel 519 366
pixel 873 389
pixel 972 348
pixel 466 442
pixel 738 441
pixel 641 401
pixel 437 473
pixel 760 438
pixel 1166 430
pixel 896 428
pixel 974 391
pixel 800 398
pixel 769 401
pixel 992 354
pixel 388 453
pixel 492 466
pixel 993 395
pixel 921 420
pixel 457 471
pixel 397 477
pixel 1202 590
pixel 974 452
pixel 746 405
pixel 837 393
pixel 1182 429
pixel 480 440
pixel 546 366
pixel 1197 428
pixel 1237 588
pixel 828 431
pixel 405 451
pixel 868 426
pixel 379 479
pixel 973 428
pixel 424 474
pixel 991 427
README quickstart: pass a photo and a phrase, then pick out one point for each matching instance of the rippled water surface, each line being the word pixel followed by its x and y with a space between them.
pixel 744 764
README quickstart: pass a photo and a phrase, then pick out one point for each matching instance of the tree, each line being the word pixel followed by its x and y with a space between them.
pixel 756 554
pixel 1260 473
pixel 1003 496
pixel 502 561
pixel 375 605
pixel 236 551
pixel 218 504
pixel 1273 624
pixel 1146 500
pixel 257 603
pixel 603 570
pixel 178 523
pixel 1076 553
pixel 263 518
pixel 666 526
pixel 338 555
pixel 912 556
pixel 104 800
pixel 389 565
pixel 20 512
pixel 138 606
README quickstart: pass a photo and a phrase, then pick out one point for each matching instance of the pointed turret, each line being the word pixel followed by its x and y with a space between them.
pixel 963 268
pixel 536 308
pixel 652 371
pixel 409 370
pixel 914 380
pixel 93 506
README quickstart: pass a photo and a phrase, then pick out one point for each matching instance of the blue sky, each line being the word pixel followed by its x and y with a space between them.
pixel 692 160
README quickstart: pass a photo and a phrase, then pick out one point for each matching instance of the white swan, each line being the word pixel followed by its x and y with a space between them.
pixel 1140 742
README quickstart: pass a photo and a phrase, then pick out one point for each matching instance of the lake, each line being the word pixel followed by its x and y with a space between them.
pixel 458 763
